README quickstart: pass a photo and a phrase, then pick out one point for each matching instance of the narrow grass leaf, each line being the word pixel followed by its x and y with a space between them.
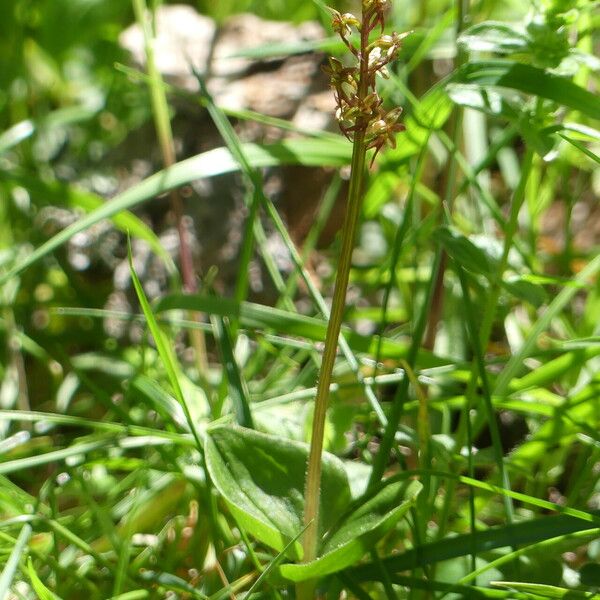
pixel 590 517
pixel 164 350
pixel 514 534
pixel 458 590
pixel 236 113
pixel 126 222
pixel 12 563
pixel 592 155
pixel 426 41
pixel 133 595
pixel 546 591
pixel 106 426
pixel 565 296
pixel 171 582
pixel 572 539
pixel 479 362
pixel 62 194
pixel 257 316
pixel 308 152
pixel 78 449
pixel 40 589
pixel 553 370
pixel 530 80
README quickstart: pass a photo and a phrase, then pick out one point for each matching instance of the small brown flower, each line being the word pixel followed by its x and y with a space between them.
pixel 373 11
pixel 342 79
pixel 383 131
pixel 342 23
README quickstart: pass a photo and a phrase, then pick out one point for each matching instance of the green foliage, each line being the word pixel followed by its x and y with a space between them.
pixel 470 347
pixel 357 531
pixel 40 589
pixel 262 479
pixel 293 10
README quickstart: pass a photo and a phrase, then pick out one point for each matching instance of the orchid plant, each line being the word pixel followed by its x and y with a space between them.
pixel 365 122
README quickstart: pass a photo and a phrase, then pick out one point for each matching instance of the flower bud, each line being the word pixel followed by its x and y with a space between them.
pixel 393 115
pixel 376 128
pixel 376 4
pixel 374 57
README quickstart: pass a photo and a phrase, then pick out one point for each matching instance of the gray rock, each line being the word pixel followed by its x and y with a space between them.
pixel 184 38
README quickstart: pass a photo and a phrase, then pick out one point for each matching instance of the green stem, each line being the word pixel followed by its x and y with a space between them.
pixel 313 474
pixel 312 492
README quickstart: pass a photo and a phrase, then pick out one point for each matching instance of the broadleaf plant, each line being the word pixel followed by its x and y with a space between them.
pixel 261 479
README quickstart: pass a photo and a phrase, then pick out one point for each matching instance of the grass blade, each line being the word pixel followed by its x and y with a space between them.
pixel 12 564
pixel 531 80
pixel 323 152
pixel 515 534
pixel 40 589
pixel 515 363
pixel 257 316
pixel 165 351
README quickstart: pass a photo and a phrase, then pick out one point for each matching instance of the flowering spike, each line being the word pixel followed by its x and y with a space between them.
pixel 359 107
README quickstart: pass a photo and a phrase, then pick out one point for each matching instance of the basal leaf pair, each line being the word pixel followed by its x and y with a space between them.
pixel 261 478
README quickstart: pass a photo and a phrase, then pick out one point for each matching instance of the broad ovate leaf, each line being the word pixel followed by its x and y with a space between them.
pixel 357 531
pixel 261 478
